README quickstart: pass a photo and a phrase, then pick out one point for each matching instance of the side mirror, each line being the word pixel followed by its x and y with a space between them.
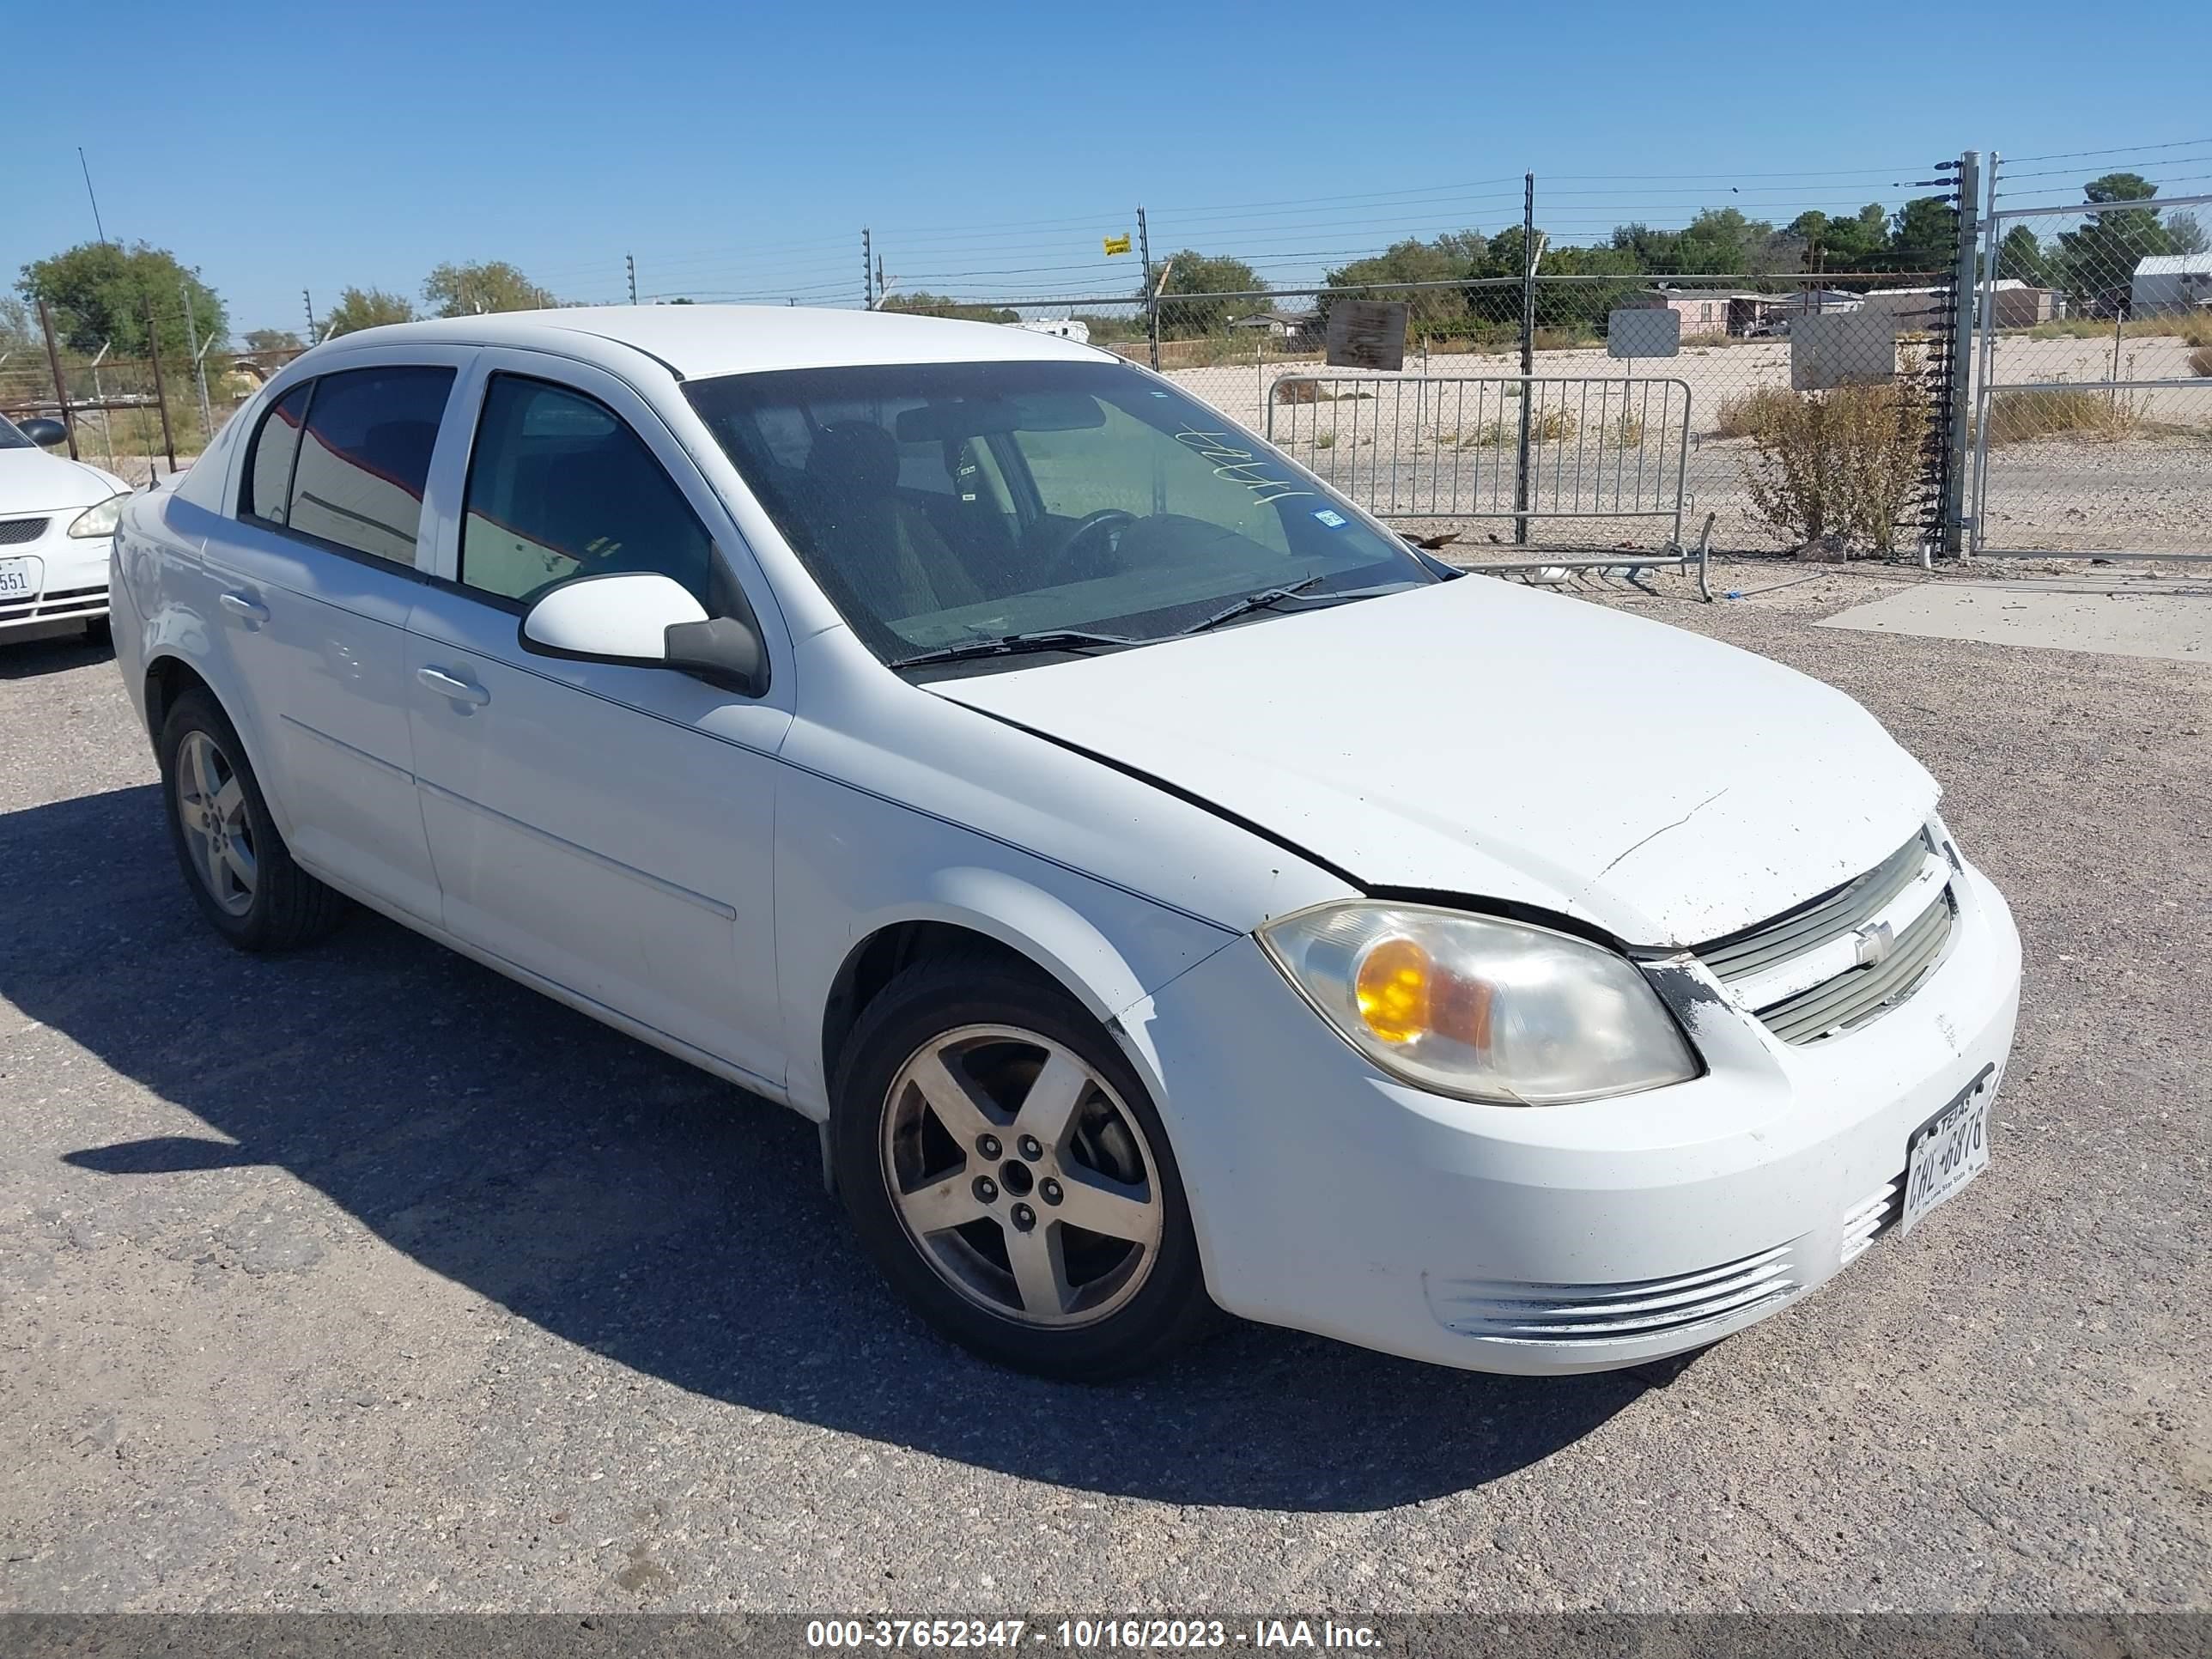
pixel 46 433
pixel 646 620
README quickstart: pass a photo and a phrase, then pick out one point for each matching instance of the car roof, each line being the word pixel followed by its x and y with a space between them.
pixel 701 341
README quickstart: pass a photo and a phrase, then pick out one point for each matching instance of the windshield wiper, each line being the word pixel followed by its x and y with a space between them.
pixel 1252 602
pixel 1011 645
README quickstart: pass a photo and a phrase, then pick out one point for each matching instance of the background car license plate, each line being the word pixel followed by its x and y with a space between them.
pixel 19 578
pixel 1949 1152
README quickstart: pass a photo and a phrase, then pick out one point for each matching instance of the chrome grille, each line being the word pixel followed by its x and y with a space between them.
pixel 1860 994
pixel 1804 973
pixel 15 531
pixel 1626 1311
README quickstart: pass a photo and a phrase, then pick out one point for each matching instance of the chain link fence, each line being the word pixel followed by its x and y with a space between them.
pixel 141 411
pixel 2093 397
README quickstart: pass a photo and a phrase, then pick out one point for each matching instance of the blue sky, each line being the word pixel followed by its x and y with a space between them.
pixel 739 149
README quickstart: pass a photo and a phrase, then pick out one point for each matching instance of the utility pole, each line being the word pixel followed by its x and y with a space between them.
pixel 631 259
pixel 199 364
pixel 883 287
pixel 309 301
pixel 867 270
pixel 1152 295
pixel 1528 354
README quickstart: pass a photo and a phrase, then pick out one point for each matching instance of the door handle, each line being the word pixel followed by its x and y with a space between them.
pixel 452 686
pixel 246 608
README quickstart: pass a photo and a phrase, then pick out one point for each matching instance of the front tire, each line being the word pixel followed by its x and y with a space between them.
pixel 1006 1170
pixel 235 863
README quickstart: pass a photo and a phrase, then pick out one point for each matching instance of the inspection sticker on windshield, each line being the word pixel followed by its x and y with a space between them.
pixel 1330 517
pixel 1948 1151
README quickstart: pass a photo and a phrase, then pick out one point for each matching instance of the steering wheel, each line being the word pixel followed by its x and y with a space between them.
pixel 1083 555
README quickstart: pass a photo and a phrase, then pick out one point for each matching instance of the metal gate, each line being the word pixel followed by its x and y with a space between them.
pixel 1488 447
pixel 2092 382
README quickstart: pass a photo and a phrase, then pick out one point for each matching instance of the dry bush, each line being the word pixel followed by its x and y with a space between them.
pixel 2200 361
pixel 1845 462
pixel 2048 411
pixel 1324 440
pixel 1625 431
pixel 1545 426
pixel 1748 414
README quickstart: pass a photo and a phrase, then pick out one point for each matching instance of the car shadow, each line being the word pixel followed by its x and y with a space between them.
pixel 48 648
pixel 631 1205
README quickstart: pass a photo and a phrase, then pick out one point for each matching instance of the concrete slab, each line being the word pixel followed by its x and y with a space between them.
pixel 2110 621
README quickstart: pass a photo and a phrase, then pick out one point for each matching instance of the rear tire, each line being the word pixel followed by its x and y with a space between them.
pixel 97 631
pixel 235 863
pixel 969 1214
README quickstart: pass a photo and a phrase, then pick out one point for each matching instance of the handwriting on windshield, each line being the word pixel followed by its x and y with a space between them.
pixel 1237 465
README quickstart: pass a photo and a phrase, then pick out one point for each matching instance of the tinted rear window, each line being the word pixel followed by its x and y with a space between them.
pixel 365 458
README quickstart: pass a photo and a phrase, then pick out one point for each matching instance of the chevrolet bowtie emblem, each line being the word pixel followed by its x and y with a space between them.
pixel 1876 940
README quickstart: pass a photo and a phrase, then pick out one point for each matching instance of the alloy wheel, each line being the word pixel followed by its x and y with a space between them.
pixel 1021 1175
pixel 218 832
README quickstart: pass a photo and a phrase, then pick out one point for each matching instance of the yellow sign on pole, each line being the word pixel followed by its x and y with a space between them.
pixel 1117 244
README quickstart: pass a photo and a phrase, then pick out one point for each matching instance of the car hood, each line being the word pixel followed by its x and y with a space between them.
pixel 32 481
pixel 1481 739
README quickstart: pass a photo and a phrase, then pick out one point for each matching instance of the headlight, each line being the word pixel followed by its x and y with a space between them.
pixel 100 520
pixel 1485 1010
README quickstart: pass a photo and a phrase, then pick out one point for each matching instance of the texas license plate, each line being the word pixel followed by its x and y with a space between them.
pixel 1948 1151
pixel 19 578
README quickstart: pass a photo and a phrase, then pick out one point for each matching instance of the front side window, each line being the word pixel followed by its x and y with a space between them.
pixel 11 436
pixel 559 487
pixel 365 458
pixel 943 504
pixel 268 491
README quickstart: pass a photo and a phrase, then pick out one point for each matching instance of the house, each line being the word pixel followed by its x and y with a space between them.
pixel 2013 304
pixel 1293 327
pixel 1713 311
pixel 2171 281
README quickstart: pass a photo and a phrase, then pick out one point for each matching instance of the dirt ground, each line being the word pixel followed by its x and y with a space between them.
pixel 365 1279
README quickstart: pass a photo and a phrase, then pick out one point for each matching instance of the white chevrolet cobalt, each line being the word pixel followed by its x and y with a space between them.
pixel 57 517
pixel 1165 886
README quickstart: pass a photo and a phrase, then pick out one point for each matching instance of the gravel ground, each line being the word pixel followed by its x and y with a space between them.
pixel 365 1279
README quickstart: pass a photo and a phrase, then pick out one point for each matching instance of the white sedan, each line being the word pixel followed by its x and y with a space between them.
pixel 1166 889
pixel 57 518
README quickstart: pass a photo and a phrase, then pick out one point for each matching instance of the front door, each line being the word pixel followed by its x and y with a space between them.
pixel 607 828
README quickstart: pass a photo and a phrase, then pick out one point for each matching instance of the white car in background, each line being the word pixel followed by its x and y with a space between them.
pixel 1165 886
pixel 57 524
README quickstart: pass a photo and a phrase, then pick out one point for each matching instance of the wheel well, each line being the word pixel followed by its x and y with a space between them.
pixel 167 679
pixel 876 959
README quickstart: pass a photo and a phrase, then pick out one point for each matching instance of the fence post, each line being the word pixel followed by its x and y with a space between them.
pixel 1985 359
pixel 1528 354
pixel 1966 290
pixel 199 364
pixel 160 393
pixel 1152 295
pixel 61 386
pixel 867 271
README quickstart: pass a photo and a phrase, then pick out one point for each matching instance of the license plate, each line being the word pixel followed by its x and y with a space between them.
pixel 19 578
pixel 1949 1150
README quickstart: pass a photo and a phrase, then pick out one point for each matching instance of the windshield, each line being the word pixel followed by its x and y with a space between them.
pixel 11 435
pixel 940 504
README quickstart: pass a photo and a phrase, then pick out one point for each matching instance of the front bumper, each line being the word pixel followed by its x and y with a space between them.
pixel 1552 1240
pixel 69 577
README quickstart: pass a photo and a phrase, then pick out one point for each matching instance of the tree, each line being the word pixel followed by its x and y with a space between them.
pixel 2097 262
pixel 1191 272
pixel 1844 245
pixel 1433 311
pixel 2183 234
pixel 465 290
pixel 366 307
pixel 273 339
pixel 99 291
pixel 1924 237
pixel 2020 256
pixel 936 305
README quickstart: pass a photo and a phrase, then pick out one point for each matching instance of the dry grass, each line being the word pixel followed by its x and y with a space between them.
pixel 1750 413
pixel 2193 328
pixel 1545 426
pixel 2200 361
pixel 1625 431
pixel 2048 411
pixel 1845 462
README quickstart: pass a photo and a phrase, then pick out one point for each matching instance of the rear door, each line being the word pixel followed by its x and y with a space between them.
pixel 607 828
pixel 312 580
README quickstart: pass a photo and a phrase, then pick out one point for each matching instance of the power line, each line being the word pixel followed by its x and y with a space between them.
pixel 2131 149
